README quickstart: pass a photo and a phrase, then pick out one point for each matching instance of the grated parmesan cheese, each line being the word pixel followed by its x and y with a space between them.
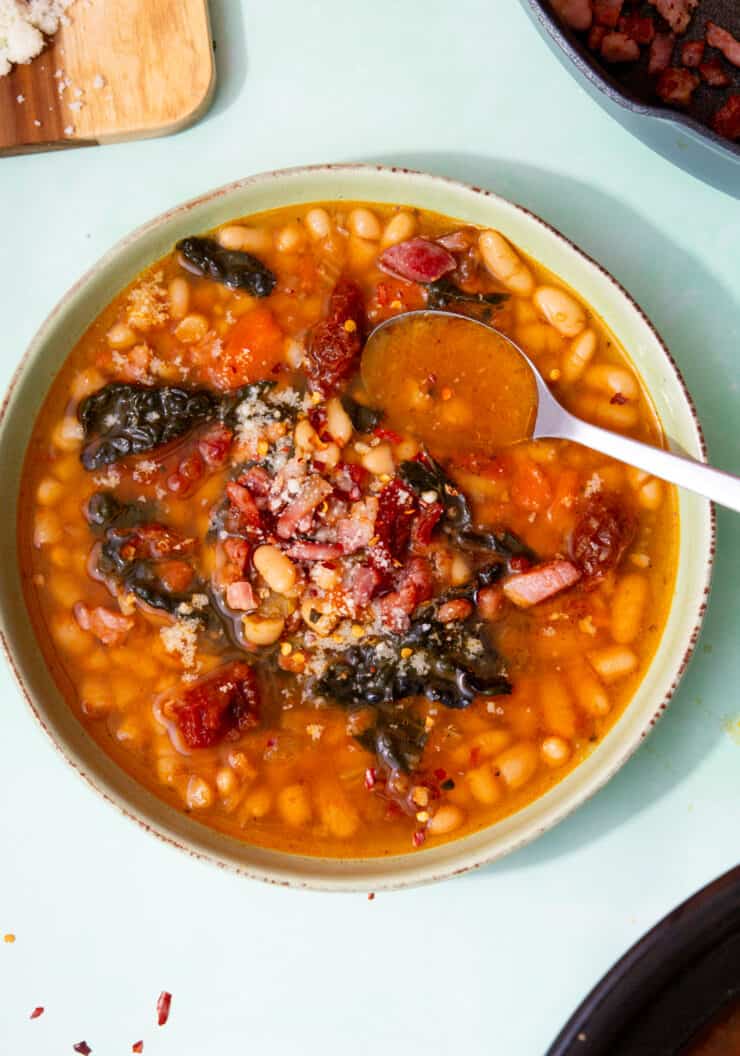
pixel 181 639
pixel 593 485
pixel 23 26
pixel 147 303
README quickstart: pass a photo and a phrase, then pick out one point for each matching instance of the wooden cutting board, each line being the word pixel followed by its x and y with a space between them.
pixel 121 69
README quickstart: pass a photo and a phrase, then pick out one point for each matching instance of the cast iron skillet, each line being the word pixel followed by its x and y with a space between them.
pixel 630 86
pixel 669 986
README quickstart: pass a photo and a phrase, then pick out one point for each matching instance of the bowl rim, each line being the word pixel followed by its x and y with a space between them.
pixel 289 869
pixel 610 86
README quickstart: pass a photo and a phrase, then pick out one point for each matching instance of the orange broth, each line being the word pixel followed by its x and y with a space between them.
pixel 198 627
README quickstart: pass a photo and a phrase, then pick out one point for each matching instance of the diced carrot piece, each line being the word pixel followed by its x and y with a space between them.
pixel 253 348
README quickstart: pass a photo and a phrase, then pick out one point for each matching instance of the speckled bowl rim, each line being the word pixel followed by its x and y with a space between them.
pixel 359 182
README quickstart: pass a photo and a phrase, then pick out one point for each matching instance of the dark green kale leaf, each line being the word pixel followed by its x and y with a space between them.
pixel 450 663
pixel 445 294
pixel 364 419
pixel 120 419
pixel 397 738
pixel 230 267
pixel 425 474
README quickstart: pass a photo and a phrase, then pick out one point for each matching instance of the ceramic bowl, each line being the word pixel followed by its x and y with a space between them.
pixel 85 300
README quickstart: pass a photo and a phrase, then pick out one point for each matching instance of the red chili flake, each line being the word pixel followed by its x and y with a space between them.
pixel 519 564
pixel 418 837
pixel 370 777
pixel 370 896
pixel 83 1048
pixel 271 742
pixel 38 1011
pixel 163 1007
pixel 440 774
pixel 387 434
pixel 618 398
pixel 138 1046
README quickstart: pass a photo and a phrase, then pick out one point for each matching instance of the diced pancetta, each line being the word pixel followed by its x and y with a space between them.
pixel 639 28
pixel 677 13
pixel 607 12
pixel 618 47
pixel 692 52
pixel 529 588
pixel 661 51
pixel 575 13
pixel 714 74
pixel 298 514
pixel 726 121
pixel 676 86
pixel 357 529
pixel 310 551
pixel 717 37
pixel 240 595
pixel 109 627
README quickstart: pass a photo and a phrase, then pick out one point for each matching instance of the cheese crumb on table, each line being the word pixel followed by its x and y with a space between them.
pixel 23 26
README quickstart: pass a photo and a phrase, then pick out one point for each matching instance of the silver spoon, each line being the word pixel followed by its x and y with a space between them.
pixel 554 422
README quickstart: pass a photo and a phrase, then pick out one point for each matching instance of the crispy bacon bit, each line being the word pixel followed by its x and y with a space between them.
pixel 692 52
pixel 596 37
pixel 456 609
pixel 529 588
pixel 618 47
pixel 363 583
pixel 418 260
pixel 639 28
pixel 661 50
pixel 607 12
pixel 109 627
pixel 241 498
pixel 575 13
pixel 415 585
pixel 175 576
pixel 226 701
pixel 602 534
pixel 240 596
pixel 458 241
pixel 350 480
pixel 676 86
pixel 714 74
pixel 355 531
pixel 717 37
pixel 297 516
pixel 38 1011
pixel 310 551
pixel 214 444
pixel 163 1007
pixel 335 343
pixel 82 1047
pixel 677 13
pixel 726 121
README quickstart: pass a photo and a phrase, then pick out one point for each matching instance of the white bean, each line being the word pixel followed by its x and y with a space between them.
pixel 627 607
pixel 578 355
pixel 68 434
pixel 613 662
pixel 379 460
pixel 364 223
pixel 504 264
pixel 318 223
pixel 289 239
pixel 248 239
pixel 277 570
pixel 338 422
pixel 262 630
pixel 448 818
pixel 611 379
pixel 650 495
pixel 121 336
pixel 49 492
pixel 179 294
pixel 399 228
pixel 560 310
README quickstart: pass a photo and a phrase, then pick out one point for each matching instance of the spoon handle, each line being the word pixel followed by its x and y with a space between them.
pixel 723 488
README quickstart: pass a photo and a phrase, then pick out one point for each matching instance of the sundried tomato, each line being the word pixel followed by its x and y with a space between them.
pixel 604 530
pixel 226 701
pixel 335 344
pixel 393 524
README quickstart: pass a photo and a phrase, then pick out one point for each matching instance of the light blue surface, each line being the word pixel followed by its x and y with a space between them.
pixel 494 962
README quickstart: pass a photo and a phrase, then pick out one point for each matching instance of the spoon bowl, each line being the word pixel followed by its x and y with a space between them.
pixel 522 405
